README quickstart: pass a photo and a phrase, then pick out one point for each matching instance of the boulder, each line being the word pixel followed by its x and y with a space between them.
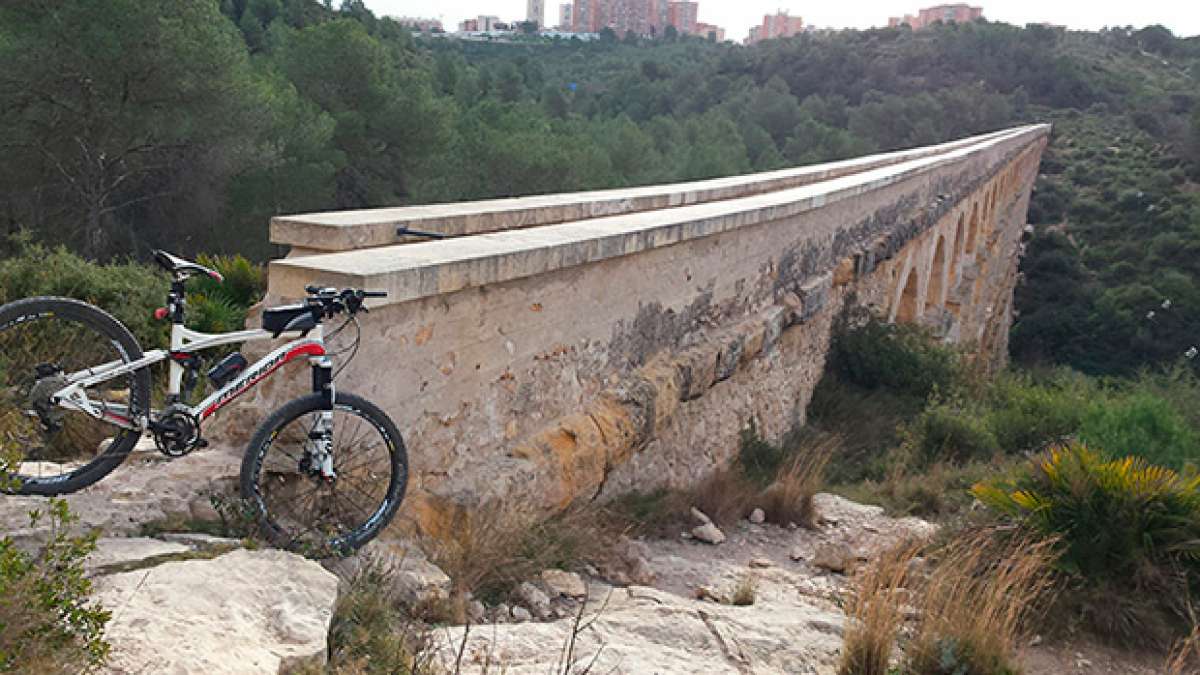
pixel 758 516
pixel 244 612
pixel 414 579
pixel 566 584
pixel 834 556
pixel 709 534
pixel 532 597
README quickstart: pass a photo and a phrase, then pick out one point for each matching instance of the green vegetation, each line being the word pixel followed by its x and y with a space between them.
pixel 1112 481
pixel 48 623
pixel 131 291
pixel 202 119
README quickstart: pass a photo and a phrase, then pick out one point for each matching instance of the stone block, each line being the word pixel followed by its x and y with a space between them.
pixel 774 321
pixel 730 356
pixel 697 369
pixel 814 296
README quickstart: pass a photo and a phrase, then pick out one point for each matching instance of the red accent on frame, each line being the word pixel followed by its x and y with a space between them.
pixel 310 349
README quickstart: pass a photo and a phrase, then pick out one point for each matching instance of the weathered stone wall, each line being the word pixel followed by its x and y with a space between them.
pixel 580 360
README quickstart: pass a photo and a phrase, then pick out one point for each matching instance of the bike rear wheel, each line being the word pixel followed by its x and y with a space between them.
pixel 47 449
pixel 298 509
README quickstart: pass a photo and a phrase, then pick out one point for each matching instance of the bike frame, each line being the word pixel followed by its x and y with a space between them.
pixel 184 344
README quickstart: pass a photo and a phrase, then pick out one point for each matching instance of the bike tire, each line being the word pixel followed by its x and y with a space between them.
pixel 262 442
pixel 118 335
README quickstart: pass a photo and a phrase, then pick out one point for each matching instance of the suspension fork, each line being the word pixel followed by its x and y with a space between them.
pixel 321 438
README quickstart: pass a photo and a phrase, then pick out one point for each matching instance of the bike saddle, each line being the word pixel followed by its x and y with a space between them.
pixel 183 268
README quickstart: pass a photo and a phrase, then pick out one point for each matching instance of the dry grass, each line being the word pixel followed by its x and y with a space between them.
pixel 726 497
pixel 1185 657
pixel 789 499
pixel 972 606
pixel 876 612
pixel 494 550
pixel 976 602
pixel 745 593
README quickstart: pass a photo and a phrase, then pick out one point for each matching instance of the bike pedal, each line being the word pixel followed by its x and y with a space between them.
pixel 201 443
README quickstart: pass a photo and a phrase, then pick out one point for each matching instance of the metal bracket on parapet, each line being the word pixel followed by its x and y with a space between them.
pixel 402 231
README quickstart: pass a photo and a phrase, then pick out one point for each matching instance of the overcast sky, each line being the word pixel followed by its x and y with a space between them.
pixel 736 16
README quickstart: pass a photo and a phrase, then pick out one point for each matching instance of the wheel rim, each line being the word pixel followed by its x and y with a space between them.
pixel 41 442
pixel 303 511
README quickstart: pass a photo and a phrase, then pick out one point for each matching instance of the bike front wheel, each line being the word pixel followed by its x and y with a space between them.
pixel 296 505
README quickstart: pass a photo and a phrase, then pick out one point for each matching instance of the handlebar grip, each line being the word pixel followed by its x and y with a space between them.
pixel 374 294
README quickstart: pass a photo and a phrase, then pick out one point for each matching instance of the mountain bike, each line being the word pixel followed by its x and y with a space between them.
pixel 325 470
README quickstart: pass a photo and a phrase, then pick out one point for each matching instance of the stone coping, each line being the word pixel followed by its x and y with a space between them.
pixel 412 271
pixel 351 230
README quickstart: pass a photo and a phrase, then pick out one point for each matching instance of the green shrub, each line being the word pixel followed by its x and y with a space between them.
pixel 1115 518
pixel 1142 424
pixel 47 623
pixel 1024 415
pixel 129 291
pixel 902 357
pixel 952 431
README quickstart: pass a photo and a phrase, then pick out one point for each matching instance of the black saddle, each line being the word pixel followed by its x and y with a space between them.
pixel 181 268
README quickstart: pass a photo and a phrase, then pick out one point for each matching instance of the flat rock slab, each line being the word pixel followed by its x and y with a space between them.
pixel 643 630
pixel 119 551
pixel 243 613
pixel 144 488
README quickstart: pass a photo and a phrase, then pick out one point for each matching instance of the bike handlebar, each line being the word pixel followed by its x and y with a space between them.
pixel 333 301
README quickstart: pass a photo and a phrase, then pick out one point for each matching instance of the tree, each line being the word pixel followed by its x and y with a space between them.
pixel 108 106
pixel 387 119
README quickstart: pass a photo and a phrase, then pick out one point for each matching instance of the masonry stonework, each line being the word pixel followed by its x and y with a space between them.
pixel 578 359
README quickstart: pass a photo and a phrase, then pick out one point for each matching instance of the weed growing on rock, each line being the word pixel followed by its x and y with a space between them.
pixel 745 592
pixel 371 634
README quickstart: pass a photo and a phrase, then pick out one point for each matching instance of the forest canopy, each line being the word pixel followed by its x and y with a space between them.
pixel 187 124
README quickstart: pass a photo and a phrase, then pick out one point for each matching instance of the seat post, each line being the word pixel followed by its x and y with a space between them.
pixel 177 299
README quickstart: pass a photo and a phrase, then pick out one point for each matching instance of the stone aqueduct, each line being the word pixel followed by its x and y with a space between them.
pixel 572 347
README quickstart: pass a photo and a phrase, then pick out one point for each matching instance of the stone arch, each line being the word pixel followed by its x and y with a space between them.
pixel 935 293
pixel 973 230
pixel 907 310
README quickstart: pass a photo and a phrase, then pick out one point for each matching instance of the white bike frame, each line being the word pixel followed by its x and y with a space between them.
pixel 184 343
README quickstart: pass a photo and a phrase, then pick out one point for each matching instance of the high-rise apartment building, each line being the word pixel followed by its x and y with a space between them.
pixel 640 17
pixel 535 12
pixel 780 24
pixel 710 31
pixel 958 13
pixel 682 14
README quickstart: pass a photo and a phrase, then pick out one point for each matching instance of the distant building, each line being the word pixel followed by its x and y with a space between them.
pixel 708 30
pixel 566 17
pixel 959 13
pixel 423 25
pixel 640 17
pixel 682 14
pixel 483 24
pixel 535 12
pixel 778 25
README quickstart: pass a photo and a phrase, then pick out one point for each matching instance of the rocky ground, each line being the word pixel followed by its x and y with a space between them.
pixel 765 599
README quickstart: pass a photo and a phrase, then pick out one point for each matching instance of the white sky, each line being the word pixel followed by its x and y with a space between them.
pixel 736 16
